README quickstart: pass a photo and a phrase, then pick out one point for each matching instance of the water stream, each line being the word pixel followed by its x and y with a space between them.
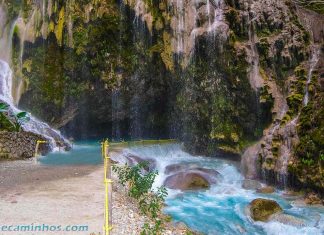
pixel 316 51
pixel 33 125
pixel 218 210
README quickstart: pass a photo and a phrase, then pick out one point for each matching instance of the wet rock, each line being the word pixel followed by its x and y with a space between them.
pixel 251 184
pixel 267 189
pixel 133 160
pixel 210 175
pixel 313 199
pixel 186 181
pixel 249 161
pixel 261 209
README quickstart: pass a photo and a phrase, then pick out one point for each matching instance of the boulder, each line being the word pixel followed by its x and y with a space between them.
pixel 186 181
pixel 133 160
pixel 267 189
pixel 210 175
pixel 251 184
pixel 261 209
pixel 313 199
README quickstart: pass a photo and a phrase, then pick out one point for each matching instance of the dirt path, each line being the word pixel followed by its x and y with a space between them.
pixel 70 201
pixel 34 195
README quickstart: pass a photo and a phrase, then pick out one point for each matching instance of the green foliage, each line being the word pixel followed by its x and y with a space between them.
pixel 236 25
pixel 263 48
pixel 60 77
pixel 294 102
pixel 139 184
pixel 140 188
pixel 155 229
pixel 315 5
pixel 307 162
pixel 152 203
pixel 321 157
pixel 16 6
pixel 309 152
pixel 217 103
pixel 11 122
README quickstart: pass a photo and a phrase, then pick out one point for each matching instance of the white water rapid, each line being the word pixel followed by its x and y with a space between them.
pixel 221 209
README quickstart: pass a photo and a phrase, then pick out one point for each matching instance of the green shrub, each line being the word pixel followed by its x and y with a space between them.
pixel 11 122
pixel 150 202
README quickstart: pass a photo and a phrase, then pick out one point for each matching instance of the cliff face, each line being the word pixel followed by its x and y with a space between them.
pixel 220 75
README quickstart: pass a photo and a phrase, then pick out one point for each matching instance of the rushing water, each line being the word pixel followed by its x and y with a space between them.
pixel 316 51
pixel 33 125
pixel 218 210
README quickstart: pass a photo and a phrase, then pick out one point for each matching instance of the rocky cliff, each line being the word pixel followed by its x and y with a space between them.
pixel 223 76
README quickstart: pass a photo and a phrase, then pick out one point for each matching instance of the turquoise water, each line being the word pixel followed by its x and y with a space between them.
pixel 218 210
pixel 222 208
pixel 83 153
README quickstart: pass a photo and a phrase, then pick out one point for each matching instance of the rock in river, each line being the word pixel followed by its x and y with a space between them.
pixel 211 175
pixel 133 160
pixel 261 209
pixel 186 181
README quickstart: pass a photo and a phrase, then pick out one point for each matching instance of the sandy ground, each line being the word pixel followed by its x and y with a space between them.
pixel 63 196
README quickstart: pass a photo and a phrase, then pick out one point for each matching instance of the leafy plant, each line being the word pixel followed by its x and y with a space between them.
pixel 139 184
pixel 153 202
pixel 150 202
pixel 307 162
pixel 321 157
pixel 11 122
pixel 156 229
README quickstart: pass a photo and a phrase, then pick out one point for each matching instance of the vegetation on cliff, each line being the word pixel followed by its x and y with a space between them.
pixel 94 54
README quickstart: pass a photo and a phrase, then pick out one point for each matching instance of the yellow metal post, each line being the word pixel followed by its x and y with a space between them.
pixel 37 146
pixel 108 188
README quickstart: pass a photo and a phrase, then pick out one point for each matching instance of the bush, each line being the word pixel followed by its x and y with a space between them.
pixel 150 202
pixel 11 121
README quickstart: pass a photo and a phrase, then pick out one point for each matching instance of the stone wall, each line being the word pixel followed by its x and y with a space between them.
pixel 20 145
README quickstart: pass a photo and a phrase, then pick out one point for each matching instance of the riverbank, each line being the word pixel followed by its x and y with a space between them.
pixel 64 195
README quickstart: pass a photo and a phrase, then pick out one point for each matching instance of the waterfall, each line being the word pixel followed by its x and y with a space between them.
pixel 217 17
pixel 10 86
pixel 316 50
pixel 255 78
pixel 287 133
pixel 6 32
pixel 34 125
pixel 180 9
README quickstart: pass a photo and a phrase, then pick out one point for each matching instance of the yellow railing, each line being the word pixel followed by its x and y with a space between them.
pixel 105 147
pixel 108 187
pixel 140 142
pixel 37 146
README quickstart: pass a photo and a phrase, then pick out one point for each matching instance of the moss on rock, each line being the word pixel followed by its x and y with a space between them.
pixel 261 209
